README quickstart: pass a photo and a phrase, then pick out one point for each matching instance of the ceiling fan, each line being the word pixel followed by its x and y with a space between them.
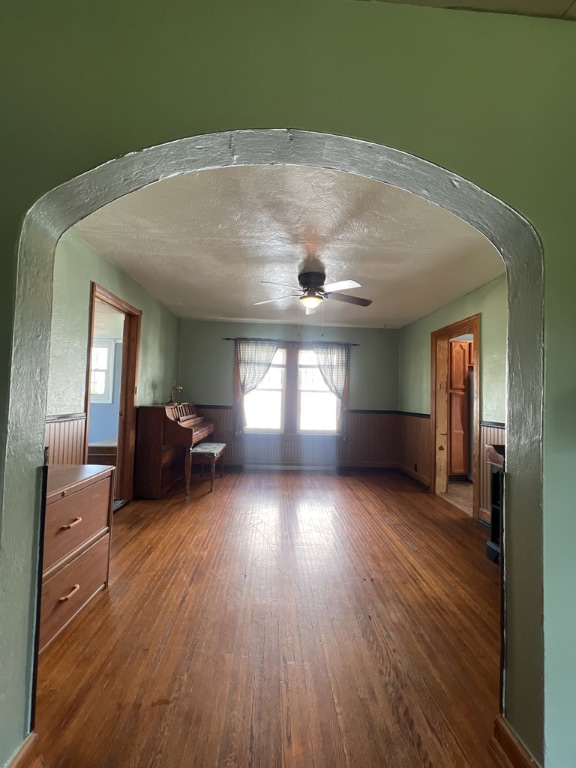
pixel 312 291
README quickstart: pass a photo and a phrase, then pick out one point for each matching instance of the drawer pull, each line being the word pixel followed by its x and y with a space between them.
pixel 74 522
pixel 73 591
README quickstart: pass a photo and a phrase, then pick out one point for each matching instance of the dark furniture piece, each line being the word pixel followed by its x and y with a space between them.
pixel 76 542
pixel 495 459
pixel 103 452
pixel 164 436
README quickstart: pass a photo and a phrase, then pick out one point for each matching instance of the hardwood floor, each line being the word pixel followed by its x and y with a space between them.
pixel 460 493
pixel 286 619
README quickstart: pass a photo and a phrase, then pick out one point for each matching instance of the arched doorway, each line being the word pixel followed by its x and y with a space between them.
pixel 516 240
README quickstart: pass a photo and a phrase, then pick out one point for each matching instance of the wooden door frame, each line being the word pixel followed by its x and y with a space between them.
pixel 439 404
pixel 128 392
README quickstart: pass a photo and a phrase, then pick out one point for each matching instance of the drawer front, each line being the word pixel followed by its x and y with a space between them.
pixel 66 592
pixel 73 519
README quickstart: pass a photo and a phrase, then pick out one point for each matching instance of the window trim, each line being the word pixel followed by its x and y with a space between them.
pixel 291 399
pixel 325 432
pixel 282 428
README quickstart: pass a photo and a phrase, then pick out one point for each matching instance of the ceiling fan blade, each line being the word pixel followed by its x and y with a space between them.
pixel 343 285
pixel 273 282
pixel 278 298
pixel 349 299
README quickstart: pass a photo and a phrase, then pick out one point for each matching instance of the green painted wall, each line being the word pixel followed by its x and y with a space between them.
pixel 76 265
pixel 490 302
pixel 373 364
pixel 486 95
pixel 559 517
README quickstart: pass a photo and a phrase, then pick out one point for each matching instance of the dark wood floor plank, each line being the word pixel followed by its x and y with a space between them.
pixel 286 620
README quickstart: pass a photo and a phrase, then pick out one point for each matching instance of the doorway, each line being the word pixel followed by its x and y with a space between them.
pixel 455 413
pixel 111 388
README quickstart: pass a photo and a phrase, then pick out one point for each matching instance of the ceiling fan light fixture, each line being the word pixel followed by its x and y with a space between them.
pixel 311 300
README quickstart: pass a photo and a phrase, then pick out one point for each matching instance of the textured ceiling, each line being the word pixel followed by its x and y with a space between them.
pixel 555 9
pixel 202 243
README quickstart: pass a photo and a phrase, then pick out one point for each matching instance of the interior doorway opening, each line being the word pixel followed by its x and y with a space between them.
pixel 111 388
pixel 455 413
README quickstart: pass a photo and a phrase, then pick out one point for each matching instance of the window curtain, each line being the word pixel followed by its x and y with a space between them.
pixel 253 359
pixel 333 360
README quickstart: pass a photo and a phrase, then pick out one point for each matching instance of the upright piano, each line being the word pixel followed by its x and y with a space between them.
pixel 164 436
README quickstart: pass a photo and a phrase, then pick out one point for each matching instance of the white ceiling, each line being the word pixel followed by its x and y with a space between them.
pixel 202 242
pixel 555 9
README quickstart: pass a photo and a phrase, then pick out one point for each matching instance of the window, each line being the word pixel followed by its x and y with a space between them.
pixel 101 371
pixel 317 406
pixel 264 405
pixel 301 391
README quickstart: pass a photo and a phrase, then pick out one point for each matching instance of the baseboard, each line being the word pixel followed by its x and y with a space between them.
pixel 422 479
pixel 27 756
pixel 506 750
pixel 484 516
pixel 367 466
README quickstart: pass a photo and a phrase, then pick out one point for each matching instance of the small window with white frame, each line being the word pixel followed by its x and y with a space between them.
pixel 102 371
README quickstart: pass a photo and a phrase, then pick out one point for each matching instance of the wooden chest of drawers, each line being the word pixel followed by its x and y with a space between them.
pixel 76 543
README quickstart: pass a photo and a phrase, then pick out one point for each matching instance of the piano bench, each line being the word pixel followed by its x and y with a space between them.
pixel 207 453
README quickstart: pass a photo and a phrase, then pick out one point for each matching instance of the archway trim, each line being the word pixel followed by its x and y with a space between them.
pixel 510 233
